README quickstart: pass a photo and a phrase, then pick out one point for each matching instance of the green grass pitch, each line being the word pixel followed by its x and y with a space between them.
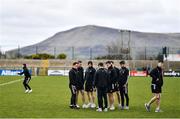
pixel 51 95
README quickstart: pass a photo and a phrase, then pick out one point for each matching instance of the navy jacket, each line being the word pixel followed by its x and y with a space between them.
pixel 157 76
pixel 89 76
pixel 123 76
pixel 25 72
pixel 101 78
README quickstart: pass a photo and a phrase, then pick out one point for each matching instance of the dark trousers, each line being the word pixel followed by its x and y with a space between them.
pixel 124 93
pixel 102 94
pixel 25 83
pixel 73 95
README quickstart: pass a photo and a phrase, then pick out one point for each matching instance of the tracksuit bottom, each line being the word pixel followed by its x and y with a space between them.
pixel 73 95
pixel 124 93
pixel 25 83
pixel 102 94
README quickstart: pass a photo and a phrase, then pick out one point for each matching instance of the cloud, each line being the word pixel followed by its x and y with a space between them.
pixel 26 22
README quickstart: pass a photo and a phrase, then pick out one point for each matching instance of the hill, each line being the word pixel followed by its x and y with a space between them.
pixel 81 41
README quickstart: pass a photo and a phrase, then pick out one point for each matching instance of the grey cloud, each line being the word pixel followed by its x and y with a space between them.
pixel 36 20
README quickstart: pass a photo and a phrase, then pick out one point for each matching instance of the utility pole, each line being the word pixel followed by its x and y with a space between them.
pixel 145 53
pixel 18 53
pixel 0 53
pixel 72 53
pixel 108 52
pixel 129 44
pixel 36 49
pixel 122 44
pixel 54 52
pixel 90 52
pixel 122 38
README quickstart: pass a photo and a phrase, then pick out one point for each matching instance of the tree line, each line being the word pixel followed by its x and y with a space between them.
pixel 46 56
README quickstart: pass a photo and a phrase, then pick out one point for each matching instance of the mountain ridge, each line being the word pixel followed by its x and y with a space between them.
pixel 98 38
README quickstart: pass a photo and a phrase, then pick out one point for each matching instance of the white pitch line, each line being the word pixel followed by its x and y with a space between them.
pixel 10 82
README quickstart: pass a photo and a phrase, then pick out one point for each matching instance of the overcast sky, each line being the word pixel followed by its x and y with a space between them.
pixel 25 22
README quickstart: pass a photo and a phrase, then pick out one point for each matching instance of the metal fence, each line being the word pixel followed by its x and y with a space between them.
pixel 99 52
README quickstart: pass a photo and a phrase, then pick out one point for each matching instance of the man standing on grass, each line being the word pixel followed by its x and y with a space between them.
pixel 89 84
pixel 123 85
pixel 101 83
pixel 73 75
pixel 27 78
pixel 111 84
pixel 80 84
pixel 157 83
pixel 116 84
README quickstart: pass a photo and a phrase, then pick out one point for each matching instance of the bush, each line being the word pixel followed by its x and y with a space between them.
pixel 34 56
pixel 46 56
pixel 62 56
pixel 40 56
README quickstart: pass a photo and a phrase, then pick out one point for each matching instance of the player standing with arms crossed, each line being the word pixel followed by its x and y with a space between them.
pixel 111 84
pixel 80 84
pixel 123 85
pixel 117 84
pixel 73 75
pixel 89 84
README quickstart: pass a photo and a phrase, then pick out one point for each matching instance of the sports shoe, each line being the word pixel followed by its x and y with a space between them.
pixel 30 91
pixel 99 110
pixel 88 105
pixel 77 106
pixel 84 106
pixel 106 109
pixel 71 106
pixel 147 107
pixel 112 108
pixel 158 110
pixel 126 108
pixel 119 106
pixel 93 105
pixel 26 91
pixel 122 107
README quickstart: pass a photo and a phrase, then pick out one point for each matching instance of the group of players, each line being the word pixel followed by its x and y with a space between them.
pixel 107 81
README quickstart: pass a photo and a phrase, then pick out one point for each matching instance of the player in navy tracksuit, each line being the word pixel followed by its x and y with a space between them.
pixel 89 84
pixel 111 84
pixel 123 84
pixel 27 78
pixel 73 77
pixel 117 84
pixel 101 83
pixel 80 83
pixel 156 87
